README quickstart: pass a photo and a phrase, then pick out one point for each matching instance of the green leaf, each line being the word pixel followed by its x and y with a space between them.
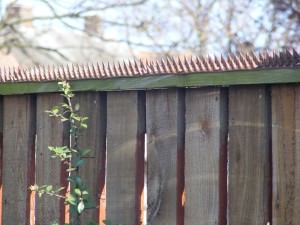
pixel 71 169
pixel 80 207
pixel 60 189
pixel 64 119
pixel 78 180
pixel 85 192
pixel 107 222
pixel 85 152
pixel 76 117
pixel 54 223
pixel 83 125
pixel 49 188
pixel 77 191
pixel 71 199
pixel 79 162
pixel 76 107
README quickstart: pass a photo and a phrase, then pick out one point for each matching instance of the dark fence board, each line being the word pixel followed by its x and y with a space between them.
pixel 93 106
pixel 249 161
pixel 202 156
pixel 286 154
pixel 18 158
pixel 164 140
pixel 48 171
pixel 124 149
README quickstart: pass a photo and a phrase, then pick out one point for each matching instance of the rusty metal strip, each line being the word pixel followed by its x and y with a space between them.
pixel 288 58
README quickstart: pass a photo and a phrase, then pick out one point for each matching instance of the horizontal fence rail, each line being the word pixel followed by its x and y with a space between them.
pixel 178 156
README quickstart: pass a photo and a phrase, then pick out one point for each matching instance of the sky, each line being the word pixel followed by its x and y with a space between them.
pixel 172 27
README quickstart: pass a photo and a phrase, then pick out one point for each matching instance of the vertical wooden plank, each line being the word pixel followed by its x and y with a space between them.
pixel 249 156
pixel 202 155
pixel 18 157
pixel 49 132
pixel 125 155
pixel 164 110
pixel 286 154
pixel 93 106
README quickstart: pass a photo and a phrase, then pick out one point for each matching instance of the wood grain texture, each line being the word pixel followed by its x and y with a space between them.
pixel 202 156
pixel 164 141
pixel 93 106
pixel 125 133
pixel 286 154
pixel 48 171
pixel 18 158
pixel 249 156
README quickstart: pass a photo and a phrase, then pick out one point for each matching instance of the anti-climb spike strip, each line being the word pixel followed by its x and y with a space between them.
pixel 288 58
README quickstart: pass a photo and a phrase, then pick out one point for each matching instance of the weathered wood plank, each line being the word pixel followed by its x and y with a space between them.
pixel 93 106
pixel 48 171
pixel 18 158
pixel 164 110
pixel 202 156
pixel 286 154
pixel 249 156
pixel 125 157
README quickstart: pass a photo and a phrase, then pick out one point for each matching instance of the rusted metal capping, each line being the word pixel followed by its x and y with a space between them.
pixel 288 58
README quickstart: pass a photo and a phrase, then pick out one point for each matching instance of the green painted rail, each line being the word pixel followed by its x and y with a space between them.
pixel 264 76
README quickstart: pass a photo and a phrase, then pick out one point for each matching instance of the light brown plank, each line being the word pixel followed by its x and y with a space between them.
pixel 48 171
pixel 93 106
pixel 202 156
pixel 164 112
pixel 125 152
pixel 249 156
pixel 18 158
pixel 286 154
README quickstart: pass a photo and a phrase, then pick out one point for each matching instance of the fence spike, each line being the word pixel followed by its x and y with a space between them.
pixel 288 57
pixel 88 70
pixel 218 63
pixel 136 68
pixel 186 63
pixel 147 67
pixel 103 70
pixel 131 68
pixel 152 66
pixel 98 69
pixel 180 65
pixel 125 68
pixel 41 72
pixel 110 70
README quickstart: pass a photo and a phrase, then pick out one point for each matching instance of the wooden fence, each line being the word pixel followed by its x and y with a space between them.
pixel 211 155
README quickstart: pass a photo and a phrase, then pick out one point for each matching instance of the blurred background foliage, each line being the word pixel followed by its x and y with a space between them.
pixel 58 31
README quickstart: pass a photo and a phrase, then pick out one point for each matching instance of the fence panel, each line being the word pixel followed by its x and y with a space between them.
pixel 93 106
pixel 50 132
pixel 165 119
pixel 188 155
pixel 286 154
pixel 249 156
pixel 125 157
pixel 18 158
pixel 202 156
